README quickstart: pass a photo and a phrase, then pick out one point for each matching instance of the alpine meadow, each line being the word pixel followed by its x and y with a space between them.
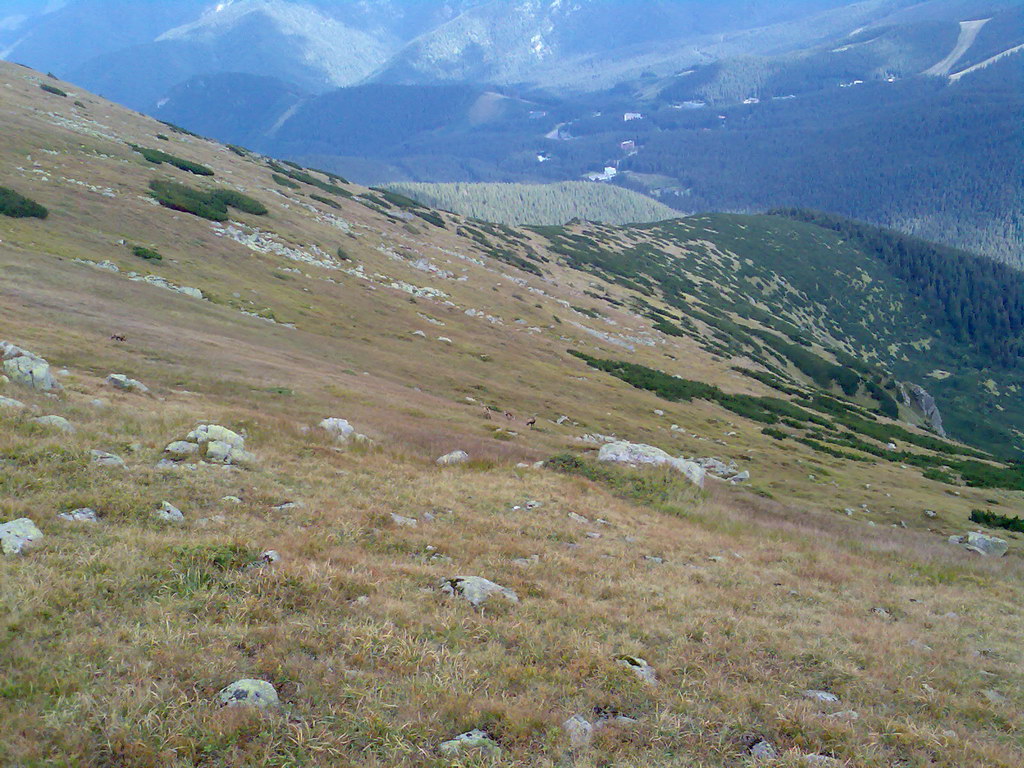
pixel 526 385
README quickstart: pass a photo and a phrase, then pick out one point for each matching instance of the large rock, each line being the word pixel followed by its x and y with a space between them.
pixel 215 444
pixel 249 693
pixel 339 429
pixel 32 372
pixel 471 741
pixel 476 589
pixel 120 381
pixel 18 535
pixel 982 543
pixel 56 422
pixel 9 403
pixel 455 457
pixel 637 453
pixel 206 433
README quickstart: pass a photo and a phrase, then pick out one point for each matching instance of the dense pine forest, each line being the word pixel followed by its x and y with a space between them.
pixel 539 204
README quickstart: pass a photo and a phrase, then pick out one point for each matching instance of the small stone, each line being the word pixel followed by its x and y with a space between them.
pixel 593 535
pixel 249 693
pixel 640 668
pixel 654 559
pixel 11 404
pixel 526 562
pixel 122 382
pixel 994 697
pixel 578 518
pixel 455 457
pixel 286 505
pixel 231 499
pixel 408 522
pixel 472 741
pixel 532 504
pixel 820 760
pixel 104 459
pixel 18 535
pixel 930 514
pixel 846 714
pixel 82 515
pixel 823 696
pixel 763 750
pixel 169 513
pixel 181 449
pixel 579 730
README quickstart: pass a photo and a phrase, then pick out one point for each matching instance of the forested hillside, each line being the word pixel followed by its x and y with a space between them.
pixel 539 203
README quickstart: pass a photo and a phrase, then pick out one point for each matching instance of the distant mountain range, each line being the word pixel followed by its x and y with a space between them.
pixel 901 112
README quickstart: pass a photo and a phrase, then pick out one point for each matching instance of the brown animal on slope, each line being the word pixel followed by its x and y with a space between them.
pixel 119 337
pixel 531 421
pixel 509 416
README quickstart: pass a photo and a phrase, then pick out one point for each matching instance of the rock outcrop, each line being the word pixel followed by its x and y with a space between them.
pixel 212 443
pixel 982 543
pixel 917 397
pixel 472 741
pixel 638 453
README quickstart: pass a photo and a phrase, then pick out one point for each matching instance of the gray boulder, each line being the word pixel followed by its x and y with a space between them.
pixel 10 403
pixel 982 543
pixel 31 371
pixel 476 590
pixel 638 453
pixel 82 515
pixel 56 422
pixel 122 382
pixel 248 693
pixel 18 535
pixel 104 459
pixel 215 444
pixel 455 457
pixel 169 513
pixel 180 450
pixel 472 741
pixel 339 429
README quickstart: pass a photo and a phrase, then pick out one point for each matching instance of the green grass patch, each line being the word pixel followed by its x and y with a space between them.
pixel 53 89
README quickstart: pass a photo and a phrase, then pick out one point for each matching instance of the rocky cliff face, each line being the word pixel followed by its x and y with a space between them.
pixel 917 397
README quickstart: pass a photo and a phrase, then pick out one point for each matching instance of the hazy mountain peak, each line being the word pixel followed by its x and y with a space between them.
pixel 340 53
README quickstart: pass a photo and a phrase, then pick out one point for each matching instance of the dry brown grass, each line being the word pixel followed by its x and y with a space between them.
pixel 117 637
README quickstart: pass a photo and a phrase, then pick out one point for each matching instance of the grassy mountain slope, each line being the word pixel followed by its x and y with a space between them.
pixel 348 302
pixel 539 203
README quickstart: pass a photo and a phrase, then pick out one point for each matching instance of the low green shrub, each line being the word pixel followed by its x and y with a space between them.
pixel 208 205
pixel 159 157
pixel 284 181
pixel 53 89
pixel 995 520
pixel 18 206
pixel 146 253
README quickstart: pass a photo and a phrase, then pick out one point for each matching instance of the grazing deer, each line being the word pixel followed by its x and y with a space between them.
pixel 509 416
pixel 487 413
pixel 531 421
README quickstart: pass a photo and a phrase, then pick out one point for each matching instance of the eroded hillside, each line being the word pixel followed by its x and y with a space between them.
pixel 301 297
